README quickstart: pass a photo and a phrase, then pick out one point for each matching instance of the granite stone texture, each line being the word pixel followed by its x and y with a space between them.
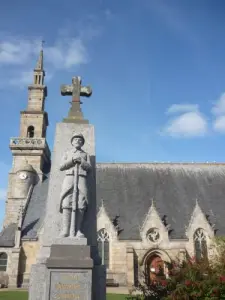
pixel 37 284
pixel 70 241
pixel 41 281
pixel 70 256
pixel 53 217
pixel 69 285
pixel 68 268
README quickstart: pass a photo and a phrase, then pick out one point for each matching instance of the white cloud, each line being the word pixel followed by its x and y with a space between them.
pixel 18 57
pixel 16 52
pixel 190 123
pixel 219 106
pixel 63 54
pixel 177 108
pixel 66 53
pixel 25 78
pixel 218 110
pixel 219 124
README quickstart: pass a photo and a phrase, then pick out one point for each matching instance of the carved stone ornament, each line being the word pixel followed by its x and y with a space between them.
pixel 199 235
pixel 153 235
pixel 74 192
pixel 103 235
pixel 27 141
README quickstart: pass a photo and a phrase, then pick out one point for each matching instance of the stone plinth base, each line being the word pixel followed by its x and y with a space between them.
pixel 75 115
pixel 70 272
pixel 70 241
pixel 69 257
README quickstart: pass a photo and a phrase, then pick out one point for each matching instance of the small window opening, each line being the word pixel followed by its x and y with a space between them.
pixel 30 132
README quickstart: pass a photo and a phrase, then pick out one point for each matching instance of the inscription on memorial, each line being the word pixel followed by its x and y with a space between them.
pixel 69 285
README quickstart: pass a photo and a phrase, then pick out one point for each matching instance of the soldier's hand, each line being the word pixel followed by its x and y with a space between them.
pixel 77 160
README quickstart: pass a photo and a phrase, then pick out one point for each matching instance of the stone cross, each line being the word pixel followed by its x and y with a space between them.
pixel 76 90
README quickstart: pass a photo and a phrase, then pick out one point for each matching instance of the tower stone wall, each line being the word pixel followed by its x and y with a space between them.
pixel 30 151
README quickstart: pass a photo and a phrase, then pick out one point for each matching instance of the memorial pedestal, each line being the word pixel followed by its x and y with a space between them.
pixel 68 268
pixel 71 272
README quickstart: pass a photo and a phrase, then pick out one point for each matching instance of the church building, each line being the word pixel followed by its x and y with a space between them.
pixel 148 214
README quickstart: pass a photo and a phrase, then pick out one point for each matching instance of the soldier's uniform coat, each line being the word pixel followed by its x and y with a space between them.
pixel 68 165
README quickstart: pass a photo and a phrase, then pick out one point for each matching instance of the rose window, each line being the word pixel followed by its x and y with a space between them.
pixel 153 235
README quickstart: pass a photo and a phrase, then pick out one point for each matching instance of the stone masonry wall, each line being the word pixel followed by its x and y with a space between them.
pixel 36 120
pixel 29 251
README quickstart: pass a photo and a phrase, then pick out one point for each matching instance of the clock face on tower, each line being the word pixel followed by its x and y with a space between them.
pixel 23 175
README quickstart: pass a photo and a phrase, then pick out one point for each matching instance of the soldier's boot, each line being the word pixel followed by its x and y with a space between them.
pixel 66 215
pixel 80 215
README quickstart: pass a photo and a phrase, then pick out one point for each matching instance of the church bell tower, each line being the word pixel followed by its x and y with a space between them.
pixel 30 151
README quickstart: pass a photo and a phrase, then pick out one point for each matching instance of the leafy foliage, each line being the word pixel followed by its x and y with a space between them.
pixel 190 279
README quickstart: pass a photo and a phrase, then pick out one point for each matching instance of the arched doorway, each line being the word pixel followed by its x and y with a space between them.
pixel 155 264
pixel 155 268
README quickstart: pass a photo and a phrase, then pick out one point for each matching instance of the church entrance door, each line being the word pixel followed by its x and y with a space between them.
pixel 155 268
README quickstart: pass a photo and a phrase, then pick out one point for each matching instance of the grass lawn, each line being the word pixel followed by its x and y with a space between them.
pixel 22 295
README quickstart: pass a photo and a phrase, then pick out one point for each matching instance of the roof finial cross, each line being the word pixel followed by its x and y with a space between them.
pixel 153 202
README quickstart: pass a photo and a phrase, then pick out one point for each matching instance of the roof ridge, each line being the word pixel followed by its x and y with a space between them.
pixel 164 163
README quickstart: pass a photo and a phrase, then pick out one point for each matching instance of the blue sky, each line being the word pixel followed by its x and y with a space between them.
pixel 156 69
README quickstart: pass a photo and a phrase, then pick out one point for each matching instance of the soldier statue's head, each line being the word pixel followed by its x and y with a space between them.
pixel 77 140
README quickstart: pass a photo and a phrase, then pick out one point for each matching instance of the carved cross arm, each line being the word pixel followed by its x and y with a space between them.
pixel 66 90
pixel 86 91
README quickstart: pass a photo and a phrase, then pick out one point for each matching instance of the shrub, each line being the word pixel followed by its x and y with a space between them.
pixel 190 279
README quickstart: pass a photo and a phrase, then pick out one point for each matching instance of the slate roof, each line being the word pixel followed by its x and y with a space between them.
pixel 127 190
pixel 35 210
pixel 7 236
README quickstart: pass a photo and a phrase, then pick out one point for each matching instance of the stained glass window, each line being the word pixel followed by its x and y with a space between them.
pixel 103 246
pixel 200 244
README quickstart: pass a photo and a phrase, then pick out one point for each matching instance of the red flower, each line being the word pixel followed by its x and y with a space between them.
pixel 222 278
pixel 215 291
pixel 187 282
pixel 164 283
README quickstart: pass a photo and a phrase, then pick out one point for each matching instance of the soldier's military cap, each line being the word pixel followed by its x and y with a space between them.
pixel 78 135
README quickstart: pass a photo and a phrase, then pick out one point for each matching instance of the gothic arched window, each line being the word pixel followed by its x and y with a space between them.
pixel 103 246
pixel 30 131
pixel 200 244
pixel 3 261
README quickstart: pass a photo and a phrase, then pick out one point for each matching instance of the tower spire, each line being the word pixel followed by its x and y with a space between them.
pixel 39 65
pixel 39 72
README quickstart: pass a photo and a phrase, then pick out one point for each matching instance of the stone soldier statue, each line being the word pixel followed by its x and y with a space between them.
pixel 74 193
